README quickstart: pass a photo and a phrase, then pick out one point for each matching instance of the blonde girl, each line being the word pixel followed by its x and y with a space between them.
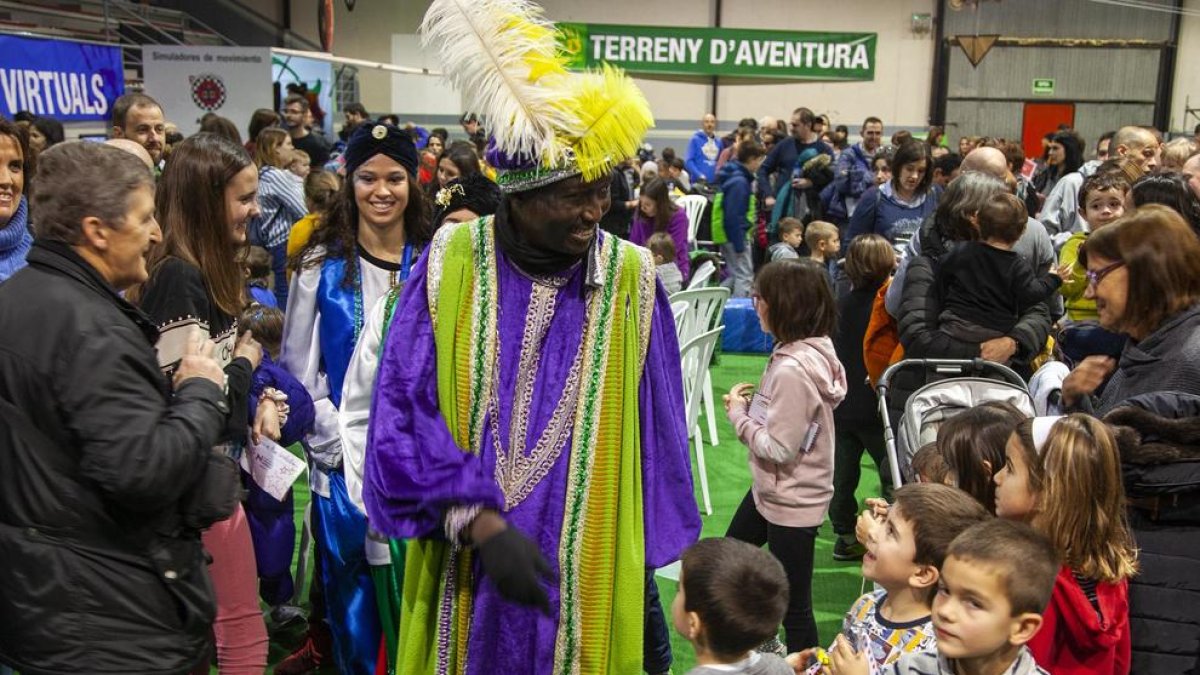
pixel 1063 476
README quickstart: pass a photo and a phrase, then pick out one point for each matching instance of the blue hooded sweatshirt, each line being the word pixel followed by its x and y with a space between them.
pixel 701 157
pixel 881 212
pixel 737 185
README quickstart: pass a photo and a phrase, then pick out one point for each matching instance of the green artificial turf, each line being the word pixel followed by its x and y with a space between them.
pixel 835 585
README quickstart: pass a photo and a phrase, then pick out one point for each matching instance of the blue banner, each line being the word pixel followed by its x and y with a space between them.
pixel 69 81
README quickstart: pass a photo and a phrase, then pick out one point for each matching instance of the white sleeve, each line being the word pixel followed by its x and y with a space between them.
pixel 357 391
pixel 1060 211
pixel 301 356
pixel 893 297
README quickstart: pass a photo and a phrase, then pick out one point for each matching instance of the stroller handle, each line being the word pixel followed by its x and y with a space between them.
pixel 950 367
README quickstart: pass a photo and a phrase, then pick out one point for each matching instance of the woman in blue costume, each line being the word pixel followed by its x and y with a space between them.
pixel 463 199
pixel 363 248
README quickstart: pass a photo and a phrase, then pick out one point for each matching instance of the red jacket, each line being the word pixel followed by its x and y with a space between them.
pixel 1074 639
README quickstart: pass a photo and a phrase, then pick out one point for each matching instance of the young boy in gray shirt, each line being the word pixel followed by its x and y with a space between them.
pixel 731 598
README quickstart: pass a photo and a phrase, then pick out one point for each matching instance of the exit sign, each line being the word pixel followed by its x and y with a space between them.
pixel 1043 86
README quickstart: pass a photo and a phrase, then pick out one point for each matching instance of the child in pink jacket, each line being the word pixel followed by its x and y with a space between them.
pixel 788 426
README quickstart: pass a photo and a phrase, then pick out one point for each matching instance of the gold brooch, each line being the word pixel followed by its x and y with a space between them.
pixel 446 194
pixel 379 132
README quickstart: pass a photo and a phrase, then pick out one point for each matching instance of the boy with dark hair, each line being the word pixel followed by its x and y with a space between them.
pixel 984 286
pixel 731 598
pixel 256 265
pixel 1101 201
pixel 791 236
pixel 995 584
pixel 945 169
pixel 678 176
pixel 904 557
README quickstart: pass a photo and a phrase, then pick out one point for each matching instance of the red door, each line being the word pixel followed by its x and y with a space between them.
pixel 1041 119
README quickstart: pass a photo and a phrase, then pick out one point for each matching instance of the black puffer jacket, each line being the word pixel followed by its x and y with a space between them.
pixel 917 323
pixel 1159 436
pixel 920 307
pixel 97 458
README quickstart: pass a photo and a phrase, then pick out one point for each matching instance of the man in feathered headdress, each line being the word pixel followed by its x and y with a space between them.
pixel 527 434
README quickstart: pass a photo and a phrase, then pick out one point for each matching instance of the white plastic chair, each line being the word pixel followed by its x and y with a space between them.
pixel 695 356
pixel 705 315
pixel 694 206
pixel 702 274
pixel 679 310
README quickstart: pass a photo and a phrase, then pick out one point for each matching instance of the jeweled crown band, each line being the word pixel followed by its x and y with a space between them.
pixel 531 179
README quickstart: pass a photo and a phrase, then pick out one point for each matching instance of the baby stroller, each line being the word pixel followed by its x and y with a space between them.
pixel 951 386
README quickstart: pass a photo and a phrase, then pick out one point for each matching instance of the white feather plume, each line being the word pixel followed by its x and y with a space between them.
pixel 490 50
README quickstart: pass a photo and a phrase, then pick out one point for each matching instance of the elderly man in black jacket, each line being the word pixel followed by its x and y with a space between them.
pixel 106 468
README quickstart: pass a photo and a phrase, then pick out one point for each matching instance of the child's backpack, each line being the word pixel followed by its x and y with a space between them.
pixel 718 217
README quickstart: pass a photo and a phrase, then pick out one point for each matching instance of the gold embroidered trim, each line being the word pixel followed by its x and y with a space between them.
pixel 647 299
pixel 433 269
pixel 516 471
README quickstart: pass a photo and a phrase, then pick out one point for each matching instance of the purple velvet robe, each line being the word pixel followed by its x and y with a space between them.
pixel 414 471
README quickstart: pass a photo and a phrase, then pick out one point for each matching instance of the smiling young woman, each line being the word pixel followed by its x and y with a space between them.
pixel 207 195
pixel 367 242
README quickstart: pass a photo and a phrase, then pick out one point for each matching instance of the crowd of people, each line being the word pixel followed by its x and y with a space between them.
pixel 488 395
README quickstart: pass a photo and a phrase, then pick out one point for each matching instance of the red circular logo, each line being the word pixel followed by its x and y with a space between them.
pixel 208 91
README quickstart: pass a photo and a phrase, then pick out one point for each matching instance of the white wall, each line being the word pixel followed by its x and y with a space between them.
pixel 1187 77
pixel 903 63
pixel 899 94
pixel 365 33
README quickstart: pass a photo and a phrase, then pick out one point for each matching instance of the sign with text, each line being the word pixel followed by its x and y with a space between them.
pixel 1043 86
pixel 69 81
pixel 193 81
pixel 721 51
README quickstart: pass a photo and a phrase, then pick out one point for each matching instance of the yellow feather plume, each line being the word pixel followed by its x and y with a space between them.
pixel 613 117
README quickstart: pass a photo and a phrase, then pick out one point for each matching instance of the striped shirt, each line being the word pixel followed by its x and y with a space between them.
pixel 884 641
pixel 1088 586
pixel 932 663
pixel 281 203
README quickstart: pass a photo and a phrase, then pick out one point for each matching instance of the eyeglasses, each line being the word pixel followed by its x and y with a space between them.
pixel 1095 277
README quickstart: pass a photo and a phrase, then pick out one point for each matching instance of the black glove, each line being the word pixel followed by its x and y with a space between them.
pixel 516 567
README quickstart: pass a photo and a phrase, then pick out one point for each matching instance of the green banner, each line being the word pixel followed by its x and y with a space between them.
pixel 721 51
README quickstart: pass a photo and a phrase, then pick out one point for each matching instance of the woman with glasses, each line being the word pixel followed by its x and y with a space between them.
pixel 1144 274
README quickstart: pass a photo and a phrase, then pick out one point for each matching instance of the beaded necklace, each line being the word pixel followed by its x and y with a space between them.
pixel 398 278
